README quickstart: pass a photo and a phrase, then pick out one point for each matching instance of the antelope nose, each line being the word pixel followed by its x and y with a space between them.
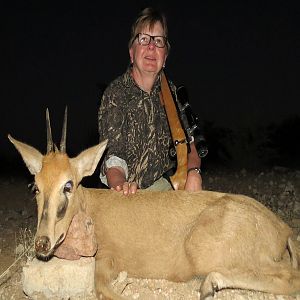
pixel 42 245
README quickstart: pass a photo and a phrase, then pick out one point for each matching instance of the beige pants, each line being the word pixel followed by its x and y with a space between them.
pixel 161 184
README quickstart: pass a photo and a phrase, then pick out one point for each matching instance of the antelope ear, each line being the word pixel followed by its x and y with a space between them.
pixel 32 157
pixel 86 162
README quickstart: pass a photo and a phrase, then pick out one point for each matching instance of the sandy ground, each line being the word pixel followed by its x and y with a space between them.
pixel 277 188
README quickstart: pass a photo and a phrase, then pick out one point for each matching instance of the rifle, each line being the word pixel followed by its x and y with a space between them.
pixel 178 135
pixel 193 121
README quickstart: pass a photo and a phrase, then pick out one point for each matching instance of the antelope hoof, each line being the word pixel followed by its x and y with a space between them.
pixel 212 283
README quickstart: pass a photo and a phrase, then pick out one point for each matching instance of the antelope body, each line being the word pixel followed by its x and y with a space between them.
pixel 232 240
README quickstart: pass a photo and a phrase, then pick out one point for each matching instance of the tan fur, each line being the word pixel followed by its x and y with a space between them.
pixel 232 240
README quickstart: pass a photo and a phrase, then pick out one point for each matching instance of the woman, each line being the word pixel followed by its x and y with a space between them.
pixel 133 119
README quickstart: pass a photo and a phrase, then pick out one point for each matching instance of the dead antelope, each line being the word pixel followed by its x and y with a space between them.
pixel 232 240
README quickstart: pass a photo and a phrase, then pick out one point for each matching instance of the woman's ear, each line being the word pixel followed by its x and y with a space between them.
pixel 131 55
pixel 165 60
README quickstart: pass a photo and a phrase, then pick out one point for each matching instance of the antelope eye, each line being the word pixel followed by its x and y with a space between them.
pixel 33 188
pixel 68 187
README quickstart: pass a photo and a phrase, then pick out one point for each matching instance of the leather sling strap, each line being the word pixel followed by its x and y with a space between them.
pixel 178 135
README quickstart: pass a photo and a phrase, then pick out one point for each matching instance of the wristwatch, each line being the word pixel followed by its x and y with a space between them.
pixel 198 170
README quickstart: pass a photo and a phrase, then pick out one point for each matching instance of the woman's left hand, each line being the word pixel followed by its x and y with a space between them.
pixel 193 182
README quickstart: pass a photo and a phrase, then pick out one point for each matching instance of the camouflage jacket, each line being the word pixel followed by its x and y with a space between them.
pixel 136 126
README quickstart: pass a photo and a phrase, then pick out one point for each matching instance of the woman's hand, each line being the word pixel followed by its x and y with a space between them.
pixel 117 181
pixel 193 181
pixel 127 188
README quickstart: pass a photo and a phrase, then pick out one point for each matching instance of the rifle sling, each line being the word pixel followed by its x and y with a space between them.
pixel 178 135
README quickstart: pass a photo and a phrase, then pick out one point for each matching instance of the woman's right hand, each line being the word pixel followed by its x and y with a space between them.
pixel 128 188
pixel 116 179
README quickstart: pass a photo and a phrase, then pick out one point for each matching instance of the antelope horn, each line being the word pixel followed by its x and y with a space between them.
pixel 64 133
pixel 49 134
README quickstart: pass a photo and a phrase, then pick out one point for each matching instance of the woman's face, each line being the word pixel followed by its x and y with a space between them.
pixel 149 58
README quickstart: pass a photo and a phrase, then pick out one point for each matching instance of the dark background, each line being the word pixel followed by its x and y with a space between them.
pixel 239 62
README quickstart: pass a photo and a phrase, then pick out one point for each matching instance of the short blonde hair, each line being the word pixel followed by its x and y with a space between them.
pixel 149 17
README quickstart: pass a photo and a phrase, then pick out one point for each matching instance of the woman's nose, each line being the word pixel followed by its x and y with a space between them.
pixel 151 44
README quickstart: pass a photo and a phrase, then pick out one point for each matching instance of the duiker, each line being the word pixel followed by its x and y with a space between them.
pixel 232 240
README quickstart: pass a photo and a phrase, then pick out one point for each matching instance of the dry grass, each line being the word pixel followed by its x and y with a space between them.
pixel 24 249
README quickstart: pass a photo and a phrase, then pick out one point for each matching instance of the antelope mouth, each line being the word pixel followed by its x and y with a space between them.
pixel 42 256
pixel 58 242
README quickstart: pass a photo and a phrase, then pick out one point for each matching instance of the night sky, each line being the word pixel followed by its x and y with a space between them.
pixel 239 62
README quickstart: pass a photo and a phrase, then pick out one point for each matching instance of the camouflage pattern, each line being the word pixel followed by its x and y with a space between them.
pixel 136 125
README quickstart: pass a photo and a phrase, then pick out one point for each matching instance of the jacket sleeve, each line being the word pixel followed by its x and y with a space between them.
pixel 111 122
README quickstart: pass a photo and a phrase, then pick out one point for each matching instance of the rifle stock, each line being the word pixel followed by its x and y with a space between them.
pixel 178 135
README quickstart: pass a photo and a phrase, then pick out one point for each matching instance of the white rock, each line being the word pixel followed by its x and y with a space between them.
pixel 59 278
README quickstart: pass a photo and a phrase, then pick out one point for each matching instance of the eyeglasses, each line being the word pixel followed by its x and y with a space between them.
pixel 145 39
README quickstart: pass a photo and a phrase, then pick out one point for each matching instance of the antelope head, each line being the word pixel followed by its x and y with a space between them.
pixel 56 180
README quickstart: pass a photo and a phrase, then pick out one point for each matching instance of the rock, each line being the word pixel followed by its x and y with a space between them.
pixel 59 278
pixel 80 239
